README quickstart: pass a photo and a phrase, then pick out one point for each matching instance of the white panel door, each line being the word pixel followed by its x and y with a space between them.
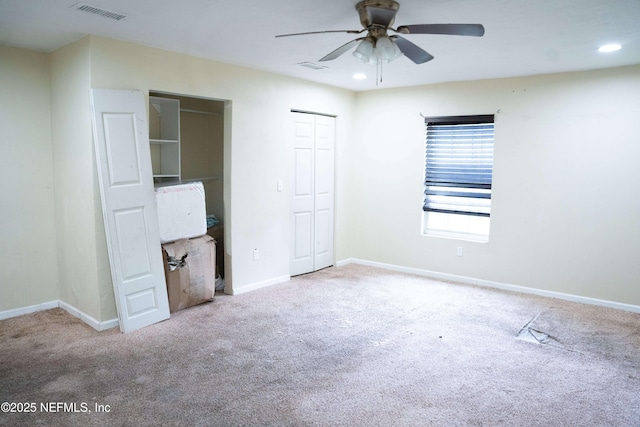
pixel 121 138
pixel 302 201
pixel 324 194
pixel 312 193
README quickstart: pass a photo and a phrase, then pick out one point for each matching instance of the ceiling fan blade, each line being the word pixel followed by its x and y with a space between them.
pixel 339 51
pixel 412 51
pixel 322 32
pixel 475 30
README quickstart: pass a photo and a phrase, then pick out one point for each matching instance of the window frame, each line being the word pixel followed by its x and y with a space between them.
pixel 454 189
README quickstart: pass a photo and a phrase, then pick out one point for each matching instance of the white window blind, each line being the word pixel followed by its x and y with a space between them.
pixel 459 165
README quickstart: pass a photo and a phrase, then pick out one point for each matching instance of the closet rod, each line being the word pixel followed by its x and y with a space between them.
pixel 187 110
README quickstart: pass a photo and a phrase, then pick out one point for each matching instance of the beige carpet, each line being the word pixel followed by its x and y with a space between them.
pixel 348 346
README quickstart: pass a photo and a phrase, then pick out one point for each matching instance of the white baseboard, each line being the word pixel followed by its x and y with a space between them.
pixel 108 324
pixel 346 261
pixel 95 324
pixel 491 284
pixel 259 285
pixel 98 326
pixel 28 310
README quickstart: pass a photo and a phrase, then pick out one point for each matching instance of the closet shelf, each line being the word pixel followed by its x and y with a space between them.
pixel 163 141
pixel 183 181
pixel 203 179
pixel 208 113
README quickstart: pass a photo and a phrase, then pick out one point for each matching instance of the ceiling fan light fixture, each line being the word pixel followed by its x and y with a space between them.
pixel 364 51
pixel 386 50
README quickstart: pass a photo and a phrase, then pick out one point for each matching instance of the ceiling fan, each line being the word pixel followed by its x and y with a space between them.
pixel 377 17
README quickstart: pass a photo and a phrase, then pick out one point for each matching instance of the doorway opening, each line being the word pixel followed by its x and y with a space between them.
pixel 196 152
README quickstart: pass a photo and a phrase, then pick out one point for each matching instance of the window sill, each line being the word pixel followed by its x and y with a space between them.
pixel 456 236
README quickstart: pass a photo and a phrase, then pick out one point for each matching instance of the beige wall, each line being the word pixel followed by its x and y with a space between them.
pixel 202 148
pixel 257 152
pixel 53 148
pixel 565 215
pixel 29 273
pixel 84 272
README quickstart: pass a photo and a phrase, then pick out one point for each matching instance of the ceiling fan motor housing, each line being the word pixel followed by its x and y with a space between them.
pixel 377 13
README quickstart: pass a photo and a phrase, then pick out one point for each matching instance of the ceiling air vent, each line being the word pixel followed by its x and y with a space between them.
pixel 312 65
pixel 98 11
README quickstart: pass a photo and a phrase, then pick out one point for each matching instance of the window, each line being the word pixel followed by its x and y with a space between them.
pixel 458 175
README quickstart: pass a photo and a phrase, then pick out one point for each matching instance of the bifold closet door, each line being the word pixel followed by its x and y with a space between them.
pixel 312 193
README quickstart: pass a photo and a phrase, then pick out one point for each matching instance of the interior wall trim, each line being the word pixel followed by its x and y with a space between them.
pixel 8 314
pixel 113 323
pixel 259 285
pixel 293 110
pixel 95 324
pixel 497 285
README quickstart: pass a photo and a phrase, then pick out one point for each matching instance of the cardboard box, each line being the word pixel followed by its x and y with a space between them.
pixel 189 267
pixel 182 212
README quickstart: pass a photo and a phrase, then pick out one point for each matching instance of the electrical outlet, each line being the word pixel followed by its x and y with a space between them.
pixel 459 251
pixel 256 254
pixel 280 185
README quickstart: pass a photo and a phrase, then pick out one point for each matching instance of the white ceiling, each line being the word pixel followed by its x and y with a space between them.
pixel 523 37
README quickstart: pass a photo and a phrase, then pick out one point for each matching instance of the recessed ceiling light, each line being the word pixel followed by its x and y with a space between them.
pixel 359 76
pixel 609 48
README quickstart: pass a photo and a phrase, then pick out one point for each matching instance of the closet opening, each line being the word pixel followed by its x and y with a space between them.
pixel 187 137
